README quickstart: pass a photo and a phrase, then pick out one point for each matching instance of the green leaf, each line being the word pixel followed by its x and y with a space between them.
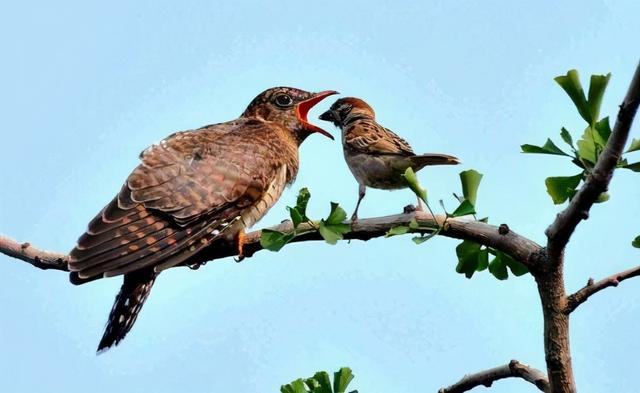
pixel 274 240
pixel 635 146
pixel 337 214
pixel 603 131
pixel 483 260
pixel 424 238
pixel 464 209
pixel 323 381
pixel 470 180
pixel 341 380
pixel 414 185
pixel 332 228
pixel 468 258
pixel 303 199
pixel 299 212
pixel 516 267
pixel 596 91
pixel 587 146
pixel 332 233
pixel 413 224
pixel 634 167
pixel 498 267
pixel 296 386
pixel 636 242
pixel 603 197
pixel 562 188
pixel 566 137
pixel 594 140
pixel 548 148
pixel 570 83
pixel 397 230
pixel 296 216
pixel 312 384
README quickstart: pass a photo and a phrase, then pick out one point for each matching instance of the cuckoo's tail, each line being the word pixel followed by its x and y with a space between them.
pixel 129 301
pixel 419 162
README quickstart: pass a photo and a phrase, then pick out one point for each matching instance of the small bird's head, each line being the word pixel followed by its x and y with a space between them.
pixel 346 109
pixel 288 106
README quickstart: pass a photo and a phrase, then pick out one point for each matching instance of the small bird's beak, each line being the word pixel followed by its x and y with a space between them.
pixel 303 108
pixel 328 116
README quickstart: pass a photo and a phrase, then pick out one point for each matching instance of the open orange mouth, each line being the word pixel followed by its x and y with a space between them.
pixel 303 108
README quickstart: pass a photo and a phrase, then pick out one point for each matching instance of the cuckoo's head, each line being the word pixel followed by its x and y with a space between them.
pixel 288 106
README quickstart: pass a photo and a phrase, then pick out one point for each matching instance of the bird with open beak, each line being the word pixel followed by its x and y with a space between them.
pixel 190 190
pixel 376 156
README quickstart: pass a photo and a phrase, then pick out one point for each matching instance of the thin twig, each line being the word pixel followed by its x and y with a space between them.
pixel 581 296
pixel 513 369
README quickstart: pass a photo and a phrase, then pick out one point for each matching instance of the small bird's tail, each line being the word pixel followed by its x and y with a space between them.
pixel 419 162
pixel 129 301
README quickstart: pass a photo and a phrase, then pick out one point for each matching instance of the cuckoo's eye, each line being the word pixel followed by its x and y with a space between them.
pixel 283 100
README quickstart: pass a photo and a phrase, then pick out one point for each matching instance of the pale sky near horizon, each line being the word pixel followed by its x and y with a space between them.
pixel 86 86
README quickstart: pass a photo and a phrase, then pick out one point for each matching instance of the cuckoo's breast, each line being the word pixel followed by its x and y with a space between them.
pixel 255 212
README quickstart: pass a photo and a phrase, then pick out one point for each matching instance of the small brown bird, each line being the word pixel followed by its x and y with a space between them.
pixel 375 155
pixel 191 189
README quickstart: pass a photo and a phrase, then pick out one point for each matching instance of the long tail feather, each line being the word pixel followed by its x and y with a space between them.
pixel 129 301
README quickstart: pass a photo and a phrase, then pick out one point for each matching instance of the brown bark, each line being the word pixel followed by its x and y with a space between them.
pixel 513 369
pixel 581 296
pixel 363 229
pixel 557 349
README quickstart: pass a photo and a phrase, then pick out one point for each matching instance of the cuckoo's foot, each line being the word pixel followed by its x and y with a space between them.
pixel 241 240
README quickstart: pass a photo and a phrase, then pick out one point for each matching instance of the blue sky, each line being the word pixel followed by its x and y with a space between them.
pixel 86 86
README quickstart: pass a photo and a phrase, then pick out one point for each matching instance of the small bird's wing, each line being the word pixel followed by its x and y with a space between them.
pixel 371 138
pixel 188 189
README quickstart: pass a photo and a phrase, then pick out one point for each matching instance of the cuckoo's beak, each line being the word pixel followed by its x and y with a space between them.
pixel 303 108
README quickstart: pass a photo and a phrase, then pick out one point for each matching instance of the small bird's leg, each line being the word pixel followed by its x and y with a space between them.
pixel 362 189
pixel 241 240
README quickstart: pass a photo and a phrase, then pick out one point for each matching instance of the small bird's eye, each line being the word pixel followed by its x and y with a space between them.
pixel 283 100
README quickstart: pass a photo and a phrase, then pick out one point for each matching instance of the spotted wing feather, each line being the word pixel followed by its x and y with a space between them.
pixel 181 197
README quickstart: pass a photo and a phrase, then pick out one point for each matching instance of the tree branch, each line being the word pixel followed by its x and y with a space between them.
pixel 513 369
pixel 511 243
pixel 597 182
pixel 39 258
pixel 581 296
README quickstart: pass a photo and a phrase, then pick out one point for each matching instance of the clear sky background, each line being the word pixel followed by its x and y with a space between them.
pixel 86 86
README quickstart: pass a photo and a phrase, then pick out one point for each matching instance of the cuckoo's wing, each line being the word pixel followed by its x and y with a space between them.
pixel 186 192
pixel 372 138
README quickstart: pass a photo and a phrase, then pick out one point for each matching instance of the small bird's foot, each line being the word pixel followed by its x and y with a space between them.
pixel 241 240
pixel 409 209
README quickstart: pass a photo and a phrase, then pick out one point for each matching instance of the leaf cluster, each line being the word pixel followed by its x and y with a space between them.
pixel 331 228
pixel 321 383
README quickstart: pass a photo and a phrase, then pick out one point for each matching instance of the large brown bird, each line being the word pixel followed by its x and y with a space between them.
pixel 191 189
pixel 376 156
